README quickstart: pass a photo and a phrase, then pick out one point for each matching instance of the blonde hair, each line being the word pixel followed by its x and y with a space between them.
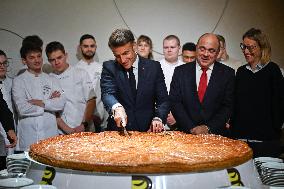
pixel 263 42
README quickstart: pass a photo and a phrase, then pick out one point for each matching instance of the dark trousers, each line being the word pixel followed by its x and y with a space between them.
pixel 2 162
pixel 266 148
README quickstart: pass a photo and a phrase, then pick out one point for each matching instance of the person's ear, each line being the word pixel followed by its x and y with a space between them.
pixel 24 61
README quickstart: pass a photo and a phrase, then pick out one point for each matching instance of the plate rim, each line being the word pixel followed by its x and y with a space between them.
pixel 28 181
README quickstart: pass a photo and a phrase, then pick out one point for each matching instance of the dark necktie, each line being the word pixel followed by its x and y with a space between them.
pixel 202 84
pixel 132 81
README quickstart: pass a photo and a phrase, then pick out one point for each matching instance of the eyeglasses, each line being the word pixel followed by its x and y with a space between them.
pixel 250 48
pixel 5 63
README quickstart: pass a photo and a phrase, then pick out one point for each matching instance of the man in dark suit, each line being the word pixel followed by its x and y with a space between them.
pixel 133 88
pixel 201 93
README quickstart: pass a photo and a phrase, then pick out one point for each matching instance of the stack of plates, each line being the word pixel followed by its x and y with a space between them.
pixel 271 170
pixel 17 164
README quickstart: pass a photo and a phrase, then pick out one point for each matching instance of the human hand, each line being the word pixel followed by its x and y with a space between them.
pixel 55 94
pixel 170 119
pixel 78 129
pixel 157 125
pixel 12 138
pixel 200 129
pixel 120 116
pixel 227 126
pixel 36 102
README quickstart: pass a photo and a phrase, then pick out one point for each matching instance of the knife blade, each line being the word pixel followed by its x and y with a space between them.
pixel 123 123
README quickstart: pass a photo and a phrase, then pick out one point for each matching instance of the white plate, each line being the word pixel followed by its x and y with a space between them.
pixel 15 182
pixel 17 156
pixel 39 186
pixel 268 159
pixel 32 160
pixel 273 165
pixel 3 172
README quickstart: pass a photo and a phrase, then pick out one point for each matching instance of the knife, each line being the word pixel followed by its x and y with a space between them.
pixel 123 123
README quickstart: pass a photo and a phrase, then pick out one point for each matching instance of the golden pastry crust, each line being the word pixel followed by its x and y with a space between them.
pixel 169 152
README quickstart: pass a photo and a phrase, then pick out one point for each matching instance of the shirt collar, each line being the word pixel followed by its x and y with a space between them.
pixel 135 64
pixel 258 67
pixel 198 67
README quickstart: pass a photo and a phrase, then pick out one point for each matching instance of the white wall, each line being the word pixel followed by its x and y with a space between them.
pixel 67 20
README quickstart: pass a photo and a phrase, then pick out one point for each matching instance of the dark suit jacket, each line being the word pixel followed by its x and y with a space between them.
pixel 217 105
pixel 151 99
pixel 6 116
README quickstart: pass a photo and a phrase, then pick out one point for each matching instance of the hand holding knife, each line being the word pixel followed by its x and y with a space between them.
pixel 120 118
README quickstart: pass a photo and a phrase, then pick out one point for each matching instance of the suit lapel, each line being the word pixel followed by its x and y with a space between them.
pixel 192 90
pixel 193 83
pixel 213 82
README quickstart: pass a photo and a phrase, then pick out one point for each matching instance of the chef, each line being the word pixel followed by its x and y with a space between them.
pixel 78 89
pixel 37 97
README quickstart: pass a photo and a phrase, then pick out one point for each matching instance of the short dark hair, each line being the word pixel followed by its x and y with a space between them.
pixel 170 37
pixel 33 39
pixel 3 53
pixel 120 37
pixel 29 47
pixel 86 36
pixel 54 46
pixel 189 47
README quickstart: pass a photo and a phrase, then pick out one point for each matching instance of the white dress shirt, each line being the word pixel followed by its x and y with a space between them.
pixel 199 72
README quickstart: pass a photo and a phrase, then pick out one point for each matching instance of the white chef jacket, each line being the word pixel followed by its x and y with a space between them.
pixel 168 70
pixel 6 90
pixel 78 89
pixel 94 70
pixel 36 123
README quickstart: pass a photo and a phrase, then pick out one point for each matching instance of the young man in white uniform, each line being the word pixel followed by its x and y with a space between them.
pixel 37 97
pixel 171 48
pixel 78 89
pixel 88 48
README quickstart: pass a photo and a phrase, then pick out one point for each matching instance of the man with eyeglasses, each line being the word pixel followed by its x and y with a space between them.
pixel 78 89
pixel 7 128
pixel 201 93
pixel 6 86
pixel 5 80
pixel 88 47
